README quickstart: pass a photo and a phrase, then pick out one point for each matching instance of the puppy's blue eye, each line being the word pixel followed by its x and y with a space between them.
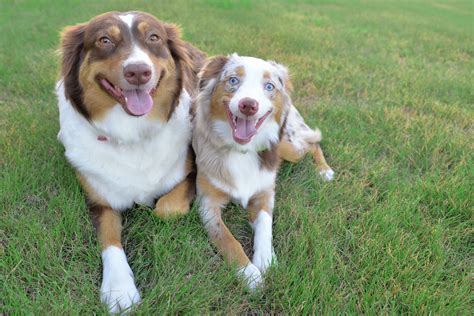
pixel 234 80
pixel 269 87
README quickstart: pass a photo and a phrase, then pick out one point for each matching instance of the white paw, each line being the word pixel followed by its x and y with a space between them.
pixel 118 289
pixel 327 175
pixel 119 293
pixel 252 275
pixel 262 259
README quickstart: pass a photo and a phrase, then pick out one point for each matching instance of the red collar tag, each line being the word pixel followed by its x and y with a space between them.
pixel 102 138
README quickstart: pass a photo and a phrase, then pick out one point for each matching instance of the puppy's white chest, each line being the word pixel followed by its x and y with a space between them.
pixel 247 176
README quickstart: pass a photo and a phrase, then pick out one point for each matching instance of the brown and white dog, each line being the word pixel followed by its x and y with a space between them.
pixel 125 123
pixel 245 124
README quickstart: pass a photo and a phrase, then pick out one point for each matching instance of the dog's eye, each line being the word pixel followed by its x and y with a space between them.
pixel 234 80
pixel 269 86
pixel 154 38
pixel 105 40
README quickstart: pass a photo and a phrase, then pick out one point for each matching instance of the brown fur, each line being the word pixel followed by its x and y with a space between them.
pixel 287 151
pixel 259 202
pixel 84 59
pixel 269 158
pixel 318 156
pixel 219 100
pixel 211 69
pixel 72 45
pixel 178 200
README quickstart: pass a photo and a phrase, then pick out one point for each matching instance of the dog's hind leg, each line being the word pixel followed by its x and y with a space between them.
pixel 298 139
pixel 178 201
pixel 320 162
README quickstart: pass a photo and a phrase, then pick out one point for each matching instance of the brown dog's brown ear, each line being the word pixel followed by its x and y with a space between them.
pixel 72 50
pixel 211 70
pixel 72 44
pixel 181 55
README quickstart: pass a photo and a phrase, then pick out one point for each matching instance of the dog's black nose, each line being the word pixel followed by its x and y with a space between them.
pixel 248 106
pixel 137 74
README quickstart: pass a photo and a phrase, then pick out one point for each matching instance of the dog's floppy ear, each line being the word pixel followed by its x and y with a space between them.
pixel 283 76
pixel 72 51
pixel 182 56
pixel 210 71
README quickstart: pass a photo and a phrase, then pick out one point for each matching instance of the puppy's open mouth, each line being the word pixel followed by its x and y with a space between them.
pixel 136 102
pixel 244 129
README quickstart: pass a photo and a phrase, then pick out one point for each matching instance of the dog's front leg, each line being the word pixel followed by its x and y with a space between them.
pixel 260 215
pixel 118 288
pixel 211 201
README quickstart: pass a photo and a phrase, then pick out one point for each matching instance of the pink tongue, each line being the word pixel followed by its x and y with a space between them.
pixel 138 101
pixel 245 129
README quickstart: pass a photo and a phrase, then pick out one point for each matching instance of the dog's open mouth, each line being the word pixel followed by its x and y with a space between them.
pixel 244 129
pixel 136 102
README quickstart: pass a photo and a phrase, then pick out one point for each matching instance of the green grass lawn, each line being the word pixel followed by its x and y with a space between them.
pixel 390 84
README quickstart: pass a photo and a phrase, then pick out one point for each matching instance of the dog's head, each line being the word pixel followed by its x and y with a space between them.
pixel 248 98
pixel 128 58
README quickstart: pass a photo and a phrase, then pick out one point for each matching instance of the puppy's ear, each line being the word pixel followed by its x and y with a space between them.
pixel 211 71
pixel 72 51
pixel 283 76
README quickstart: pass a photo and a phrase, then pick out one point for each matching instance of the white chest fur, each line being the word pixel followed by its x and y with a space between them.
pixel 142 158
pixel 247 176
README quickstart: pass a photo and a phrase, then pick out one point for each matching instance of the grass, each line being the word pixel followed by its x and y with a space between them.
pixel 390 84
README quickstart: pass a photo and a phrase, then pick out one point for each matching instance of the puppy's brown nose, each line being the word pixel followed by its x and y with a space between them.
pixel 248 106
pixel 137 74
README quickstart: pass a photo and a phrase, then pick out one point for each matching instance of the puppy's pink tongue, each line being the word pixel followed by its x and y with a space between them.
pixel 244 130
pixel 138 101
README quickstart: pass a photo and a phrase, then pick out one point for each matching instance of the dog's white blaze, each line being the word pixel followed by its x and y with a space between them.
pixel 262 246
pixel 134 165
pixel 137 56
pixel 252 86
pixel 118 288
pixel 127 18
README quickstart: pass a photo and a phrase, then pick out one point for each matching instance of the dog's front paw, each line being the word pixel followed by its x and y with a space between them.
pixel 119 293
pixel 327 174
pixel 118 290
pixel 251 274
pixel 262 259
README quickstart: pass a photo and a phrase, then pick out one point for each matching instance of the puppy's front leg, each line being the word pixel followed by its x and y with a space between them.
pixel 211 201
pixel 260 215
pixel 118 288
